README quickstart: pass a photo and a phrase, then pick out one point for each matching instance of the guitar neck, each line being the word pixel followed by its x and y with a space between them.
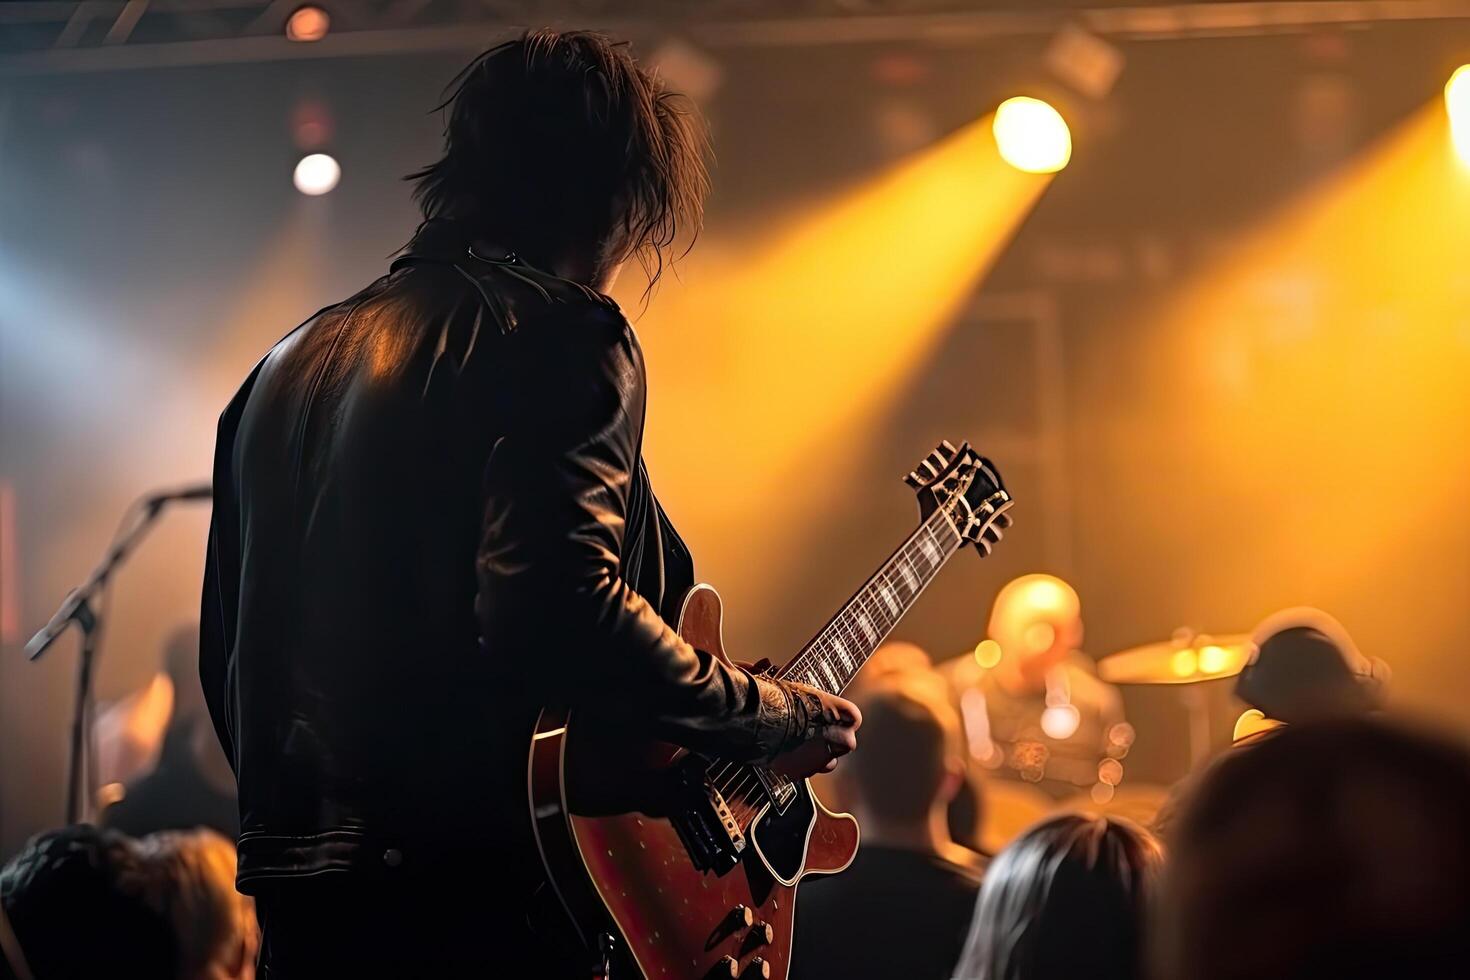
pixel 839 650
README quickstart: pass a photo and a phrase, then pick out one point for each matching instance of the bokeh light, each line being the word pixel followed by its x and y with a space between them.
pixel 1213 659
pixel 1060 721
pixel 1184 663
pixel 987 653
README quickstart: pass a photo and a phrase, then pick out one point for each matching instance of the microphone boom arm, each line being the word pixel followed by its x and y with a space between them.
pixel 77 608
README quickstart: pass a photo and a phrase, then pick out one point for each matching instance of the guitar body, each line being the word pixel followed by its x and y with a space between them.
pixel 622 870
pixel 672 866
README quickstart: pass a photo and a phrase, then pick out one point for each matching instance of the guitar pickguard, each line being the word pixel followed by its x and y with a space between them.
pixel 780 839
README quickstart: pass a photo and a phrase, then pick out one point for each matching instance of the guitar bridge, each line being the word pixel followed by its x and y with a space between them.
pixel 780 789
pixel 703 820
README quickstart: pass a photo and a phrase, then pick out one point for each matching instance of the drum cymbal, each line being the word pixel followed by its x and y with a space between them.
pixel 1187 660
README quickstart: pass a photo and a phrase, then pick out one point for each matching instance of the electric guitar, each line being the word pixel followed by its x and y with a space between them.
pixel 675 866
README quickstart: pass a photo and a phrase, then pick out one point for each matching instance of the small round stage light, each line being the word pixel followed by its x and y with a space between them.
pixel 316 174
pixel 1032 136
pixel 1457 104
pixel 308 23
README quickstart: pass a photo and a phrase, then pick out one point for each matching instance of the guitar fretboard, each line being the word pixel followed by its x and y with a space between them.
pixel 839 651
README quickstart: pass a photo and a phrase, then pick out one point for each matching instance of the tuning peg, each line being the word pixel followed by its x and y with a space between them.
pixel 986 524
pixel 923 474
pixel 943 454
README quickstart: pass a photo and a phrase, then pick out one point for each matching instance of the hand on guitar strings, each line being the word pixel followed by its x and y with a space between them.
pixel 824 728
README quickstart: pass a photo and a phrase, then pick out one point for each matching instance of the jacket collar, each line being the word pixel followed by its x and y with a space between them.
pixel 443 240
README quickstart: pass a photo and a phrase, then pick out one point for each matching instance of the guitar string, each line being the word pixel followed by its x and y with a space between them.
pixel 865 602
pixel 811 660
pixel 883 618
pixel 808 664
pixel 740 788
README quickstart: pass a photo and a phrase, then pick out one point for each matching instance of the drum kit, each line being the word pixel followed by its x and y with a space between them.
pixel 1185 660
pixel 1183 663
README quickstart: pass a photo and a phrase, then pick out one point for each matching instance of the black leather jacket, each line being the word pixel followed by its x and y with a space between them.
pixel 430 517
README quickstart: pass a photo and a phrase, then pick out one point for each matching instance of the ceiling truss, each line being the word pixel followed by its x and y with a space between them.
pixel 64 36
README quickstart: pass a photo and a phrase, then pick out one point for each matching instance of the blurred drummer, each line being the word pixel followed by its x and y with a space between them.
pixel 1032 705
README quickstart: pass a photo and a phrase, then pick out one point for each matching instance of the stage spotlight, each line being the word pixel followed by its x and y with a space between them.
pixel 308 23
pixel 1032 136
pixel 1457 102
pixel 316 174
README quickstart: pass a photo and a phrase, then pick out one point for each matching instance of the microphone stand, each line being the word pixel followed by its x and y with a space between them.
pixel 78 607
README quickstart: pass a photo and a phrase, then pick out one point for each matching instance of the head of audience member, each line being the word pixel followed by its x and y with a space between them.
pixel 194 875
pixel 1036 620
pixel 966 815
pixel 1068 898
pixel 77 902
pixel 84 902
pixel 1306 667
pixel 1166 819
pixel 910 767
pixel 1337 849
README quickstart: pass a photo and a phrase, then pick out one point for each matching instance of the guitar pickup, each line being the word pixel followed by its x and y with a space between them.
pixel 703 820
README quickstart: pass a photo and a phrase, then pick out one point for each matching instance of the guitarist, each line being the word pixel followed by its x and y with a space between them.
pixel 432 516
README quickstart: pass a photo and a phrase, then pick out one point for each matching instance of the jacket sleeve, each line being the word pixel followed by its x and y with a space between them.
pixel 219 606
pixel 556 491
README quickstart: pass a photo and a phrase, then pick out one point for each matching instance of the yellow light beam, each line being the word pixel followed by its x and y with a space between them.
pixel 1335 338
pixel 772 351
pixel 1315 374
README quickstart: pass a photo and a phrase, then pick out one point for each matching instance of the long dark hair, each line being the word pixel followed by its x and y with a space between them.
pixel 559 137
pixel 1065 899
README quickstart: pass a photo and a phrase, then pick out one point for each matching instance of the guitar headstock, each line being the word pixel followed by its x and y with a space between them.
pixel 968 488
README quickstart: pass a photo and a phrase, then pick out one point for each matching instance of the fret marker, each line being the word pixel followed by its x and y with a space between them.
pixel 840 649
pixel 866 625
pixel 886 592
pixel 831 678
pixel 930 552
pixel 909 577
